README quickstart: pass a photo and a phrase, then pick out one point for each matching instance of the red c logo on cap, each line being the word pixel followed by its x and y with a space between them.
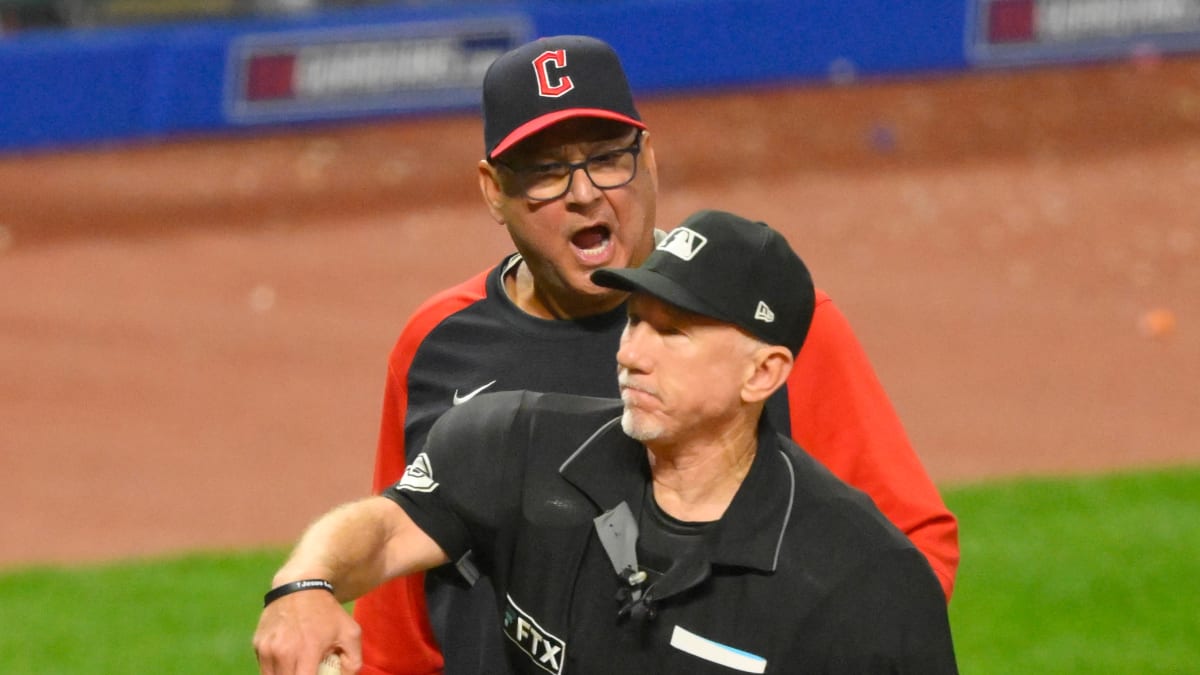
pixel 541 66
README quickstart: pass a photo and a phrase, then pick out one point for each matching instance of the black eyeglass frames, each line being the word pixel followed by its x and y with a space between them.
pixel 551 180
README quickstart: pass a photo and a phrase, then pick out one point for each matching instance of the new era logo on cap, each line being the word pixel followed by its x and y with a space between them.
pixel 763 313
pixel 683 243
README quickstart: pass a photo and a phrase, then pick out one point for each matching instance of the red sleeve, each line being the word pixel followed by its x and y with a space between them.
pixel 397 638
pixel 842 416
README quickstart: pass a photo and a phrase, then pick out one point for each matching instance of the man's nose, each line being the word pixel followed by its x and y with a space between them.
pixel 581 188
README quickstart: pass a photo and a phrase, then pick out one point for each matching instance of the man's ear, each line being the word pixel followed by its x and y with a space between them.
pixel 492 191
pixel 770 367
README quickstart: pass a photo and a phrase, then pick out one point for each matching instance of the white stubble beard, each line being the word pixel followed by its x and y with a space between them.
pixel 643 430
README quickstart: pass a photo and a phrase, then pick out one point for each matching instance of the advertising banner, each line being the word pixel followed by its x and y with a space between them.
pixel 356 70
pixel 1017 32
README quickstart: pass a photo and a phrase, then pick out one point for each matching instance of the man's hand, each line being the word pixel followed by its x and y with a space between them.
pixel 296 631
pixel 353 548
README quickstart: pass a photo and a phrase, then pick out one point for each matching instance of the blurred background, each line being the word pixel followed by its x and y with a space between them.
pixel 215 218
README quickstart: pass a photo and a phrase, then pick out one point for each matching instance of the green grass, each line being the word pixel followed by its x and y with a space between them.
pixel 1093 575
pixel 186 615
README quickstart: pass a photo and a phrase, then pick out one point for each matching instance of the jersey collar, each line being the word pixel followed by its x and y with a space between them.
pixel 609 467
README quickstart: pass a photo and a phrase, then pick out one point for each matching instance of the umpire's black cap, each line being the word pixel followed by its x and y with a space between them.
pixel 731 269
pixel 549 80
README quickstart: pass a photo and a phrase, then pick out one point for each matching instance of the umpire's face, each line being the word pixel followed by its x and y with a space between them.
pixel 690 380
pixel 564 238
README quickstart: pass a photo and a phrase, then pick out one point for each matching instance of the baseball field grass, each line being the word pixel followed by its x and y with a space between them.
pixel 1081 575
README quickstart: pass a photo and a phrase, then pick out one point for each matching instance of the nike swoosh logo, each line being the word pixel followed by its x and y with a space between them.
pixel 459 400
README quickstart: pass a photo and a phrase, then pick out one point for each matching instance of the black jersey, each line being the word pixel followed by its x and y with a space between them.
pixel 802 573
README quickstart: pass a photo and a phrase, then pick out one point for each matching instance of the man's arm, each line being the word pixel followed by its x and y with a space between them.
pixel 841 415
pixel 355 547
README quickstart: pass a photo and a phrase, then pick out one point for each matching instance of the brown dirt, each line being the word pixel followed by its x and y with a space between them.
pixel 193 334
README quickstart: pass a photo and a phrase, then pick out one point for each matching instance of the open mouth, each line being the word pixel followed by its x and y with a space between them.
pixel 593 244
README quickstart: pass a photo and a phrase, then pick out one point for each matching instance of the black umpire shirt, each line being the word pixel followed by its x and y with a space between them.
pixel 802 574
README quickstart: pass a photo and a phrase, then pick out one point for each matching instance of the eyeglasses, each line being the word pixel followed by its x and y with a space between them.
pixel 549 181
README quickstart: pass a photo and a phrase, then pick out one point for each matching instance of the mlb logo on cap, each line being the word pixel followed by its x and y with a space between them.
pixel 683 243
pixel 550 80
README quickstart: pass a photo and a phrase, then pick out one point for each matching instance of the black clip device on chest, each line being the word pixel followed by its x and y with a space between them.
pixel 618 532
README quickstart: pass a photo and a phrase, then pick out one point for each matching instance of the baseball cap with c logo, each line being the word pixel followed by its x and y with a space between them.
pixel 550 80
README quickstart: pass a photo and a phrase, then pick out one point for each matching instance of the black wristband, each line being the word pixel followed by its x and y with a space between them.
pixel 294 587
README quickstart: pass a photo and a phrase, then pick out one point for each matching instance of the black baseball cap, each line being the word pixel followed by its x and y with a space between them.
pixel 549 80
pixel 731 269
